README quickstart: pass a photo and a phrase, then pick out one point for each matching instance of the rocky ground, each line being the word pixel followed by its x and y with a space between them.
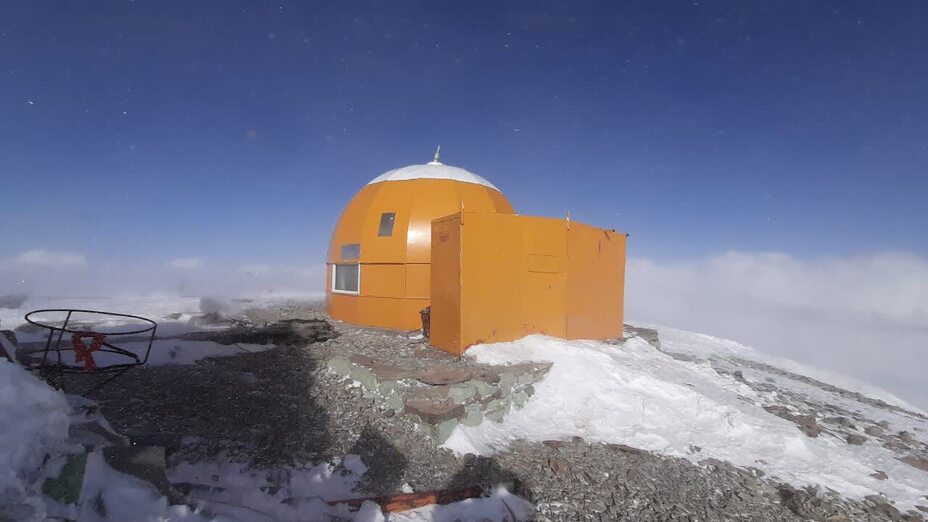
pixel 288 405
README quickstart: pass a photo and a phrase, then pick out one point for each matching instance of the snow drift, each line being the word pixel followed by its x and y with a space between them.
pixel 34 424
pixel 637 395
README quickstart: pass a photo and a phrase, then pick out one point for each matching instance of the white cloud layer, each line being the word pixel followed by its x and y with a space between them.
pixel 865 316
pixel 39 273
pixel 46 259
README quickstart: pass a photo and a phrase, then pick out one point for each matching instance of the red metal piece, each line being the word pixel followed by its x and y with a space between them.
pixel 405 501
pixel 82 352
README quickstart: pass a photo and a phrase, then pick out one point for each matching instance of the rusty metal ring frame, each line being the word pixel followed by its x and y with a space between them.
pixel 106 347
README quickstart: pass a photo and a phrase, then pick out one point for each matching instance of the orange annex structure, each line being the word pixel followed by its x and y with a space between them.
pixel 440 236
pixel 499 277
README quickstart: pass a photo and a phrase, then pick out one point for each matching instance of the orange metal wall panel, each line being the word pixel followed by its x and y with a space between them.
pixel 446 285
pixel 503 295
pixel 595 282
pixel 544 281
pixel 380 312
pixel 518 275
pixel 383 280
pixel 412 320
pixel 349 226
pixel 392 248
pixel 544 264
pixel 437 198
pixel 491 278
pixel 342 307
pixel 418 281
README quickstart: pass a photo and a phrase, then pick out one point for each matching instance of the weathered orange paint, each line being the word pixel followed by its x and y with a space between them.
pixel 395 276
pixel 499 277
pixel 595 282
pixel 445 327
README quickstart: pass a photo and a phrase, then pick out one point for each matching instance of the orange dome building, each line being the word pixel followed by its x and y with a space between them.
pixel 379 259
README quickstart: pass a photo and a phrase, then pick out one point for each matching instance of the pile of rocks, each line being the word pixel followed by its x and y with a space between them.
pixel 281 333
pixel 576 480
pixel 441 396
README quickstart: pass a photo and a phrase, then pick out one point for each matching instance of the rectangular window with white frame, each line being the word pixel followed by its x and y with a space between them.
pixel 346 279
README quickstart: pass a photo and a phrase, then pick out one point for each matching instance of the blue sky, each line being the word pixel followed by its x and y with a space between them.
pixel 141 131
pixel 768 159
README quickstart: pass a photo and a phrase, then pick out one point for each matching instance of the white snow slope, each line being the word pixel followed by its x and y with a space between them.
pixel 33 423
pixel 637 395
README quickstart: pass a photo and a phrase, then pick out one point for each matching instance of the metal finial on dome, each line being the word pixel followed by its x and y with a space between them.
pixel 437 159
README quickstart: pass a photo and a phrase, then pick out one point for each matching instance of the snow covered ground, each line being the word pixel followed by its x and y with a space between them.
pixel 237 492
pixel 683 400
pixel 34 424
pixel 643 397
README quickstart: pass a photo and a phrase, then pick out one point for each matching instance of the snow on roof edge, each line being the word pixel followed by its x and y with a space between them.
pixel 433 170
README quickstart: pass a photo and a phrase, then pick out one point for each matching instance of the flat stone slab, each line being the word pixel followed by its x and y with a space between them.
pixel 387 372
pixel 430 393
pixel 434 412
pixel 362 360
pixel 441 394
pixel 488 375
pixel 439 375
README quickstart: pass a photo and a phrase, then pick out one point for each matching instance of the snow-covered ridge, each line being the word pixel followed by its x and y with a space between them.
pixel 698 407
pixel 707 346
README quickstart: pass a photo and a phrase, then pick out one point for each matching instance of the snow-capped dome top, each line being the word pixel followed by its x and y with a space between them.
pixel 434 169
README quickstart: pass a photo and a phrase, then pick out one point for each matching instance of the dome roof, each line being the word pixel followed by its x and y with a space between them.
pixel 432 170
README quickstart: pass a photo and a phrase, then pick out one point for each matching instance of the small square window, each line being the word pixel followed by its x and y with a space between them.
pixel 346 279
pixel 386 224
pixel 351 251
